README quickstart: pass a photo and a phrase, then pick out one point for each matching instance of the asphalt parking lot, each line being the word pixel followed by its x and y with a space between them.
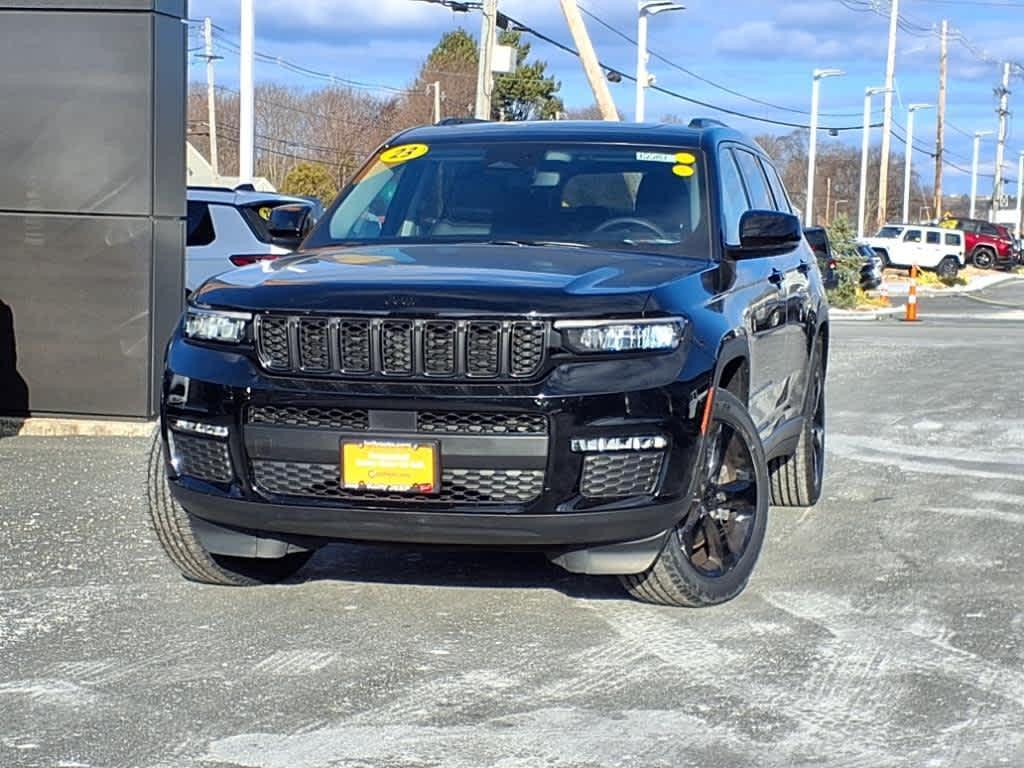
pixel 885 627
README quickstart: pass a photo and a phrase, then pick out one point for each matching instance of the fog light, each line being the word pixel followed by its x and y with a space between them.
pixel 609 444
pixel 198 428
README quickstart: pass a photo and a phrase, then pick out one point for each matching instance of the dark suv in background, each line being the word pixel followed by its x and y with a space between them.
pixel 604 342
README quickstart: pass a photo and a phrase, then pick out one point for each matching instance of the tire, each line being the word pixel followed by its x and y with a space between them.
pixel 884 256
pixel 684 573
pixel 173 527
pixel 796 480
pixel 948 268
pixel 983 258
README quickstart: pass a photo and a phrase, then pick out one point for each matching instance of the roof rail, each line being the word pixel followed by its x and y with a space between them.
pixel 699 123
pixel 460 121
pixel 246 187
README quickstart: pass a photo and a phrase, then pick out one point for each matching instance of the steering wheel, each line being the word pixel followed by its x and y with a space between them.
pixel 631 221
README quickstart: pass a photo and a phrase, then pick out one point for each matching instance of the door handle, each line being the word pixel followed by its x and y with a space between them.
pixel 775 277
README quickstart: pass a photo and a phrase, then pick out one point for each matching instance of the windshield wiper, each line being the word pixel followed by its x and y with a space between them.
pixel 538 243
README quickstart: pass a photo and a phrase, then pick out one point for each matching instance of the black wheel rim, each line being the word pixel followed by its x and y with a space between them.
pixel 716 533
pixel 818 428
pixel 983 260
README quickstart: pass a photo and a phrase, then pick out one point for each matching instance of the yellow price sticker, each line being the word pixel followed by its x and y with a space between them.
pixel 685 158
pixel 403 153
pixel 683 170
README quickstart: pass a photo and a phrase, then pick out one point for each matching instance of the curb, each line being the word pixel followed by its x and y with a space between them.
pixel 986 281
pixel 34 426
pixel 864 314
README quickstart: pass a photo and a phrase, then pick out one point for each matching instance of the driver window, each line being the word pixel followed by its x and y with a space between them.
pixel 912 236
pixel 734 199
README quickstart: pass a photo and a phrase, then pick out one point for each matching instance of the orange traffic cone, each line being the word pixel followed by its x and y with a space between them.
pixel 911 316
pixel 883 294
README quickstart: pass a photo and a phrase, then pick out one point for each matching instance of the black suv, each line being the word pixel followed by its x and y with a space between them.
pixel 605 342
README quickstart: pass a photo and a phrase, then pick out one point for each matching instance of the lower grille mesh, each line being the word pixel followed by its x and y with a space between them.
pixel 483 486
pixel 615 475
pixel 201 458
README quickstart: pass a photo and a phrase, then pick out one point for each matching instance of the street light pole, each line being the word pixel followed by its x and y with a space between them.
pixel 1020 184
pixel 974 169
pixel 643 78
pixel 865 146
pixel 819 75
pixel 246 99
pixel 908 158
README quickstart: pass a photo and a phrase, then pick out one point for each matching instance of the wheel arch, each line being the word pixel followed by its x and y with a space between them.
pixel 732 372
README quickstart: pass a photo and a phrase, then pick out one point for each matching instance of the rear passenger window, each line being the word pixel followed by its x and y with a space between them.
pixel 778 190
pixel 199 229
pixel 952 239
pixel 734 199
pixel 757 185
pixel 933 238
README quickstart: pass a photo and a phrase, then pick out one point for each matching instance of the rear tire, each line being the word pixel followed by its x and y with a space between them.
pixel 173 527
pixel 797 479
pixel 884 256
pixel 983 258
pixel 707 560
pixel 948 268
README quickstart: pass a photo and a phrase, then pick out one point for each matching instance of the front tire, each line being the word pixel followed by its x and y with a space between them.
pixel 174 530
pixel 708 557
pixel 797 479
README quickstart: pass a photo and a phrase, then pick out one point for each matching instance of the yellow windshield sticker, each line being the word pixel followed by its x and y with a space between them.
pixel 685 158
pixel 265 212
pixel 403 153
pixel 683 170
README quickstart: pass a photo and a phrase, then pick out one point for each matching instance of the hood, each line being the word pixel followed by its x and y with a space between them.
pixel 472 278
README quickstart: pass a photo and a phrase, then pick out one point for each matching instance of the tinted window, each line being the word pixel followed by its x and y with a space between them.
pixel 257 216
pixel 199 230
pixel 778 190
pixel 933 238
pixel 889 233
pixel 952 239
pixel 757 185
pixel 624 197
pixel 734 199
pixel 988 229
pixel 912 236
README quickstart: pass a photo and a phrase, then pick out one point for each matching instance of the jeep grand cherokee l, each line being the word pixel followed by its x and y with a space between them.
pixel 605 342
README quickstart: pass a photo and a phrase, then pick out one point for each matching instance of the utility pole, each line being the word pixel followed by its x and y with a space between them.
pixel 588 57
pixel 890 74
pixel 484 77
pixel 940 120
pixel 436 87
pixel 1004 113
pixel 211 94
pixel 247 99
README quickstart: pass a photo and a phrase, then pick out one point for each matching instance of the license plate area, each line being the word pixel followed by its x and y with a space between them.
pixel 396 467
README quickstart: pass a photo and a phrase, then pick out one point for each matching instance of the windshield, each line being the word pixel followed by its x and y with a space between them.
pixel 618 197
pixel 890 232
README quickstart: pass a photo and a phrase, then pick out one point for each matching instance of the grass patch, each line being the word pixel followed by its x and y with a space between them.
pixel 864 301
pixel 928 279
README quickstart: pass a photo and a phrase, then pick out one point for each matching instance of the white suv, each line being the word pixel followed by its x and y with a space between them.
pixel 231 228
pixel 935 248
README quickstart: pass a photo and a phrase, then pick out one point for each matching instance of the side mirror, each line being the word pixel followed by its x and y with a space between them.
pixel 765 232
pixel 290 222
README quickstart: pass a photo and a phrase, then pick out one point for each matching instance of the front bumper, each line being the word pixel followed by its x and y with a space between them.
pixel 262 483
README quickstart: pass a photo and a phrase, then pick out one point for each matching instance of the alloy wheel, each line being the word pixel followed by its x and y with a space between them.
pixel 716 533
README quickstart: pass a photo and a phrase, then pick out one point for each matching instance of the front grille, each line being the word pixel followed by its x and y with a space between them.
pixel 347 419
pixel 478 486
pixel 414 348
pixel 473 423
pixel 616 475
pixel 201 458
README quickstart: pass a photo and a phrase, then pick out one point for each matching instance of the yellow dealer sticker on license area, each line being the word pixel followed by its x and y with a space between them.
pixel 403 153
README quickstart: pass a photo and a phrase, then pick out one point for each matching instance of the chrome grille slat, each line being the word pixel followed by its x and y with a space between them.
pixel 402 347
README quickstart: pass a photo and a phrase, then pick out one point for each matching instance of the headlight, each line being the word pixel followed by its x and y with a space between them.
pixel 655 335
pixel 211 325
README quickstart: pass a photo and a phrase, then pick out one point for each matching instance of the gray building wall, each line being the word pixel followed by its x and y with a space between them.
pixel 92 147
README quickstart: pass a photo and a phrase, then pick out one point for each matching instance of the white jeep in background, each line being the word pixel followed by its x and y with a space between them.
pixel 935 248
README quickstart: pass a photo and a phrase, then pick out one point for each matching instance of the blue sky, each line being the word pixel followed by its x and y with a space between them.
pixel 762 49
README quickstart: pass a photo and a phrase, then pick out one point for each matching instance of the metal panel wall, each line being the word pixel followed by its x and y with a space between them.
pixel 92 106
